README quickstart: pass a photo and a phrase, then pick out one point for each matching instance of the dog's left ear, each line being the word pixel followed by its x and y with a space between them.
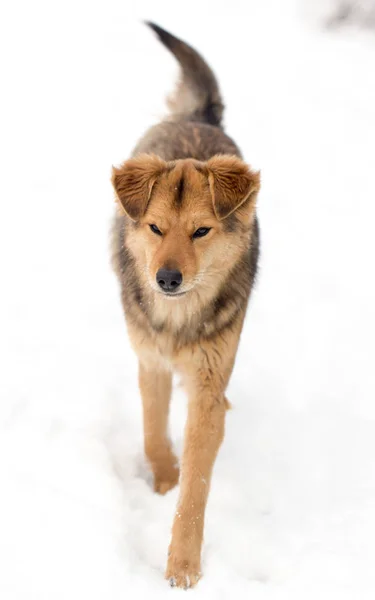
pixel 133 183
pixel 232 182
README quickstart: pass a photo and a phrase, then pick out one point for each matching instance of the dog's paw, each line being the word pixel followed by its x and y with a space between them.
pixel 182 573
pixel 166 480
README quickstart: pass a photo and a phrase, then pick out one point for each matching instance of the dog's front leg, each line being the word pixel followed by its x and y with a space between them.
pixel 206 378
pixel 203 435
pixel 155 386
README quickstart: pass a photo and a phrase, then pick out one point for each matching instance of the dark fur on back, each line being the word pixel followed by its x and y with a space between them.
pixel 197 97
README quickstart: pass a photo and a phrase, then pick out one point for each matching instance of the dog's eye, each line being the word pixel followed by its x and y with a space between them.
pixel 201 232
pixel 155 230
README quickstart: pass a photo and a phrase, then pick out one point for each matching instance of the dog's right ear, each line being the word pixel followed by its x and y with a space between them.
pixel 133 183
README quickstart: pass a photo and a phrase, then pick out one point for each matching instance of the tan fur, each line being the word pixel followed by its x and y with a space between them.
pixel 180 180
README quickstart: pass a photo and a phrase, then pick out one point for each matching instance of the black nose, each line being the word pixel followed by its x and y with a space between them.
pixel 169 280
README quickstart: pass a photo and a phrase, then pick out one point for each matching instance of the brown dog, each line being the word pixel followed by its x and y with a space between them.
pixel 185 250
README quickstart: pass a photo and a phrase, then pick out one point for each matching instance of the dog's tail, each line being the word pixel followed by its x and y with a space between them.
pixel 197 97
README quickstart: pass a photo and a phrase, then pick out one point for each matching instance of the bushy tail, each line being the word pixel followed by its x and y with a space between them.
pixel 197 97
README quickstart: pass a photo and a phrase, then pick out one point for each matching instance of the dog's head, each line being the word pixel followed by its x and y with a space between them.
pixel 190 220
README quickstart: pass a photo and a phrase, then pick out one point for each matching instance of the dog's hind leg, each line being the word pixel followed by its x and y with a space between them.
pixel 155 385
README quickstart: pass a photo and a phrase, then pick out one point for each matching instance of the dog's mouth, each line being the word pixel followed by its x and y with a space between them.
pixel 172 294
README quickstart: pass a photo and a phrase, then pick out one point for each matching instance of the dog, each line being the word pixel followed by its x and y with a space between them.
pixel 185 245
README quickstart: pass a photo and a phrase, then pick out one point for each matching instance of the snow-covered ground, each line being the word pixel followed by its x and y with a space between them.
pixel 292 508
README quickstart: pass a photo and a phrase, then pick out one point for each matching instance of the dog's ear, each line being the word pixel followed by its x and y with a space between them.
pixel 133 183
pixel 232 182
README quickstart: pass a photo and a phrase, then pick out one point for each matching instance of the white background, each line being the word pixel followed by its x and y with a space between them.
pixel 291 511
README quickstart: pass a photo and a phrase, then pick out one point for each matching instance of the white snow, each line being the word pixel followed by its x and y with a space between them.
pixel 291 512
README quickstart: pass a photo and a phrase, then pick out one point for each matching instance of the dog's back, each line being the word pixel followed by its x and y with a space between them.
pixel 194 127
